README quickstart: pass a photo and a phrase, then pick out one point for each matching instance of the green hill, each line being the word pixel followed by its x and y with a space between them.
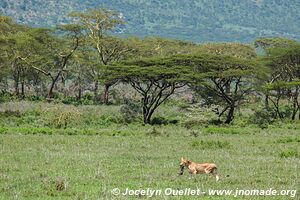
pixel 195 20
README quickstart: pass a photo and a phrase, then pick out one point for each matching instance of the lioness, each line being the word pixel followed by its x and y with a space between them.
pixel 198 168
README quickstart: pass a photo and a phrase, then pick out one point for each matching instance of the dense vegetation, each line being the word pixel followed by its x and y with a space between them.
pixel 75 59
pixel 206 20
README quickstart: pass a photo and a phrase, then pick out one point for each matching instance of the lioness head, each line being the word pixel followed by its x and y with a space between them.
pixel 183 163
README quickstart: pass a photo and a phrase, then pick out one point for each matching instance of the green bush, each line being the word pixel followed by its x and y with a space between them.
pixel 159 121
pixel 163 121
pixel 61 117
pixel 130 111
pixel 263 118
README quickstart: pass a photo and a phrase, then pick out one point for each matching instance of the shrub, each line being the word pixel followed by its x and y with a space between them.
pixel 263 118
pixel 159 121
pixel 163 121
pixel 130 111
pixel 71 100
pixel 199 115
pixel 61 117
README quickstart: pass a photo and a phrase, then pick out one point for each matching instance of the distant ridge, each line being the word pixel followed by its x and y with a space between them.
pixel 194 20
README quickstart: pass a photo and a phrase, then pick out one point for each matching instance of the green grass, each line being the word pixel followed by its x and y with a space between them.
pixel 33 166
pixel 56 151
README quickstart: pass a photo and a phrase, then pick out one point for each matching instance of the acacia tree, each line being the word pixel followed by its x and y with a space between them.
pixel 281 87
pixel 5 24
pixel 230 80
pixel 225 72
pixel 225 79
pixel 284 87
pixel 18 43
pixel 56 53
pixel 265 45
pixel 155 79
pixel 98 26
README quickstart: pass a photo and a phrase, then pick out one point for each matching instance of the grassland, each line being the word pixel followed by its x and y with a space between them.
pixel 40 161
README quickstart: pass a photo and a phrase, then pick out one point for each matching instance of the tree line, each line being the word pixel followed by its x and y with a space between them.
pixel 88 53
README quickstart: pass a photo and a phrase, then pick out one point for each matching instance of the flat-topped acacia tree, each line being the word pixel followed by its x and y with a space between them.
pixel 225 79
pixel 282 86
pixel 283 89
pixel 155 79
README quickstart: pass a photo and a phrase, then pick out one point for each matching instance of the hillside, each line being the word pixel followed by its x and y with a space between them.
pixel 195 20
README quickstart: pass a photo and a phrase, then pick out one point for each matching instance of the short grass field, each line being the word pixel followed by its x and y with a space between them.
pixel 66 163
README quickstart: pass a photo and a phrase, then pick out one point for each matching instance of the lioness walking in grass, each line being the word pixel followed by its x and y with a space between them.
pixel 198 168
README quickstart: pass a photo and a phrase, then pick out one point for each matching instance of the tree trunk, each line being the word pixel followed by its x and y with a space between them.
pixel 16 76
pixel 149 118
pixel 230 115
pixel 79 87
pixel 54 80
pixel 106 93
pixel 295 104
pixel 79 94
pixel 267 102
pixel 50 92
pixel 146 110
pixel 79 91
pixel 146 119
pixel 23 89
pixel 16 85
pixel 96 87
pixel 295 109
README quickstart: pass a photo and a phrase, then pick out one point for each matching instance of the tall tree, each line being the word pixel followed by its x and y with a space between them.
pixel 228 69
pixel 280 56
pixel 283 88
pixel 222 80
pixel 57 53
pixel 155 79
pixel 99 26
pixel 18 44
